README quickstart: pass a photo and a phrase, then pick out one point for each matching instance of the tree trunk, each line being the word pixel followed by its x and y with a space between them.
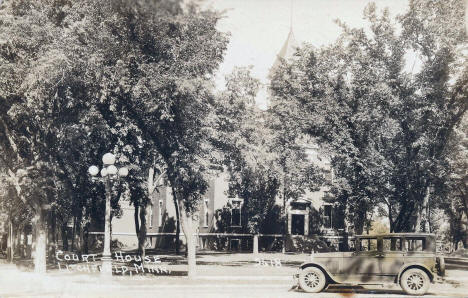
pixel 78 234
pixel 41 242
pixel 429 223
pixel 51 237
pixel 465 239
pixel 417 225
pixel 421 224
pixel 81 240
pixel 18 241
pixel 10 252
pixel 465 209
pixel 85 239
pixel 137 221
pixel 33 238
pixel 285 213
pixel 25 243
pixel 65 236
pixel 177 237
pixel 188 229
pixel 73 234
pixel 142 234
pixel 390 218
pixel 360 222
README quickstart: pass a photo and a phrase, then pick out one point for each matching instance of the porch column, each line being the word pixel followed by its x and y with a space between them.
pixel 306 224
pixel 289 222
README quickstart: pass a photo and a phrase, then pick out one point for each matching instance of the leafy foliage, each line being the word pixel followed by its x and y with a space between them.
pixel 384 123
pixel 263 157
pixel 81 78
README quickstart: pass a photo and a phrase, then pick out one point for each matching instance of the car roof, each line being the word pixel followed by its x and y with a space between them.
pixel 415 235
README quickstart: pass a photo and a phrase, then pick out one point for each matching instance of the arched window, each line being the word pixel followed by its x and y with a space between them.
pixel 236 214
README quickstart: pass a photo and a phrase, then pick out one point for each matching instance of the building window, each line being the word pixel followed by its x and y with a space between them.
pixel 327 216
pixel 206 216
pixel 160 213
pixel 236 213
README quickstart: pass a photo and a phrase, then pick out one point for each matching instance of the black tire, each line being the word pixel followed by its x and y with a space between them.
pixel 441 266
pixel 312 280
pixel 415 282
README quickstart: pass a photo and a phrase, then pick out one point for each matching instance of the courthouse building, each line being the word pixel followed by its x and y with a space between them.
pixel 161 213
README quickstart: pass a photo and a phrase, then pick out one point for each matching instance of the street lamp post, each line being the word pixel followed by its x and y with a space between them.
pixel 109 173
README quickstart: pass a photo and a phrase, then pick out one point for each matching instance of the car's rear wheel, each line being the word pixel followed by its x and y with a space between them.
pixel 415 281
pixel 312 280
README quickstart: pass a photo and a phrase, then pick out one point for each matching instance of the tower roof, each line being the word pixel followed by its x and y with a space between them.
pixel 286 52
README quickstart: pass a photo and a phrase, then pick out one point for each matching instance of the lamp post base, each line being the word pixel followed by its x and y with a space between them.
pixel 106 268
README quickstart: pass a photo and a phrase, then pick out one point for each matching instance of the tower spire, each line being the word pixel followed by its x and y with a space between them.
pixel 289 46
pixel 291 16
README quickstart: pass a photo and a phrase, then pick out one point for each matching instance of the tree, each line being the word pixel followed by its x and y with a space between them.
pixel 454 198
pixel 384 123
pixel 441 82
pixel 263 158
pixel 153 65
pixel 48 130
pixel 297 172
pixel 30 126
pixel 140 70
pixel 243 137
pixel 17 214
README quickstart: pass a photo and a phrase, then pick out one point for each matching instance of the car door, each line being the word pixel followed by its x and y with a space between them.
pixel 362 265
pixel 392 257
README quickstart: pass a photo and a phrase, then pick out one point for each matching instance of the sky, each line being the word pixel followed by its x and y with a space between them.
pixel 258 28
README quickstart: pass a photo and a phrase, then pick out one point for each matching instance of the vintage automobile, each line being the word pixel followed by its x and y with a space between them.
pixel 407 259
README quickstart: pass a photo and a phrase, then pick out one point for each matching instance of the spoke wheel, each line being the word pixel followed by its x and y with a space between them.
pixel 415 282
pixel 312 280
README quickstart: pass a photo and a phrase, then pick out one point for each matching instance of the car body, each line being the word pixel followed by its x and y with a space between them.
pixel 408 259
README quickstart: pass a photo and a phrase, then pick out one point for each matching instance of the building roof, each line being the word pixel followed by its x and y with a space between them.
pixel 286 52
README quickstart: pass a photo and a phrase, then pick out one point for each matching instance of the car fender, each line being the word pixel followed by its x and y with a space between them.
pixel 406 266
pixel 321 266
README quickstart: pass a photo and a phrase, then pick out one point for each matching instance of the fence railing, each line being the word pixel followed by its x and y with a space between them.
pixel 213 234
pixel 195 234
pixel 222 241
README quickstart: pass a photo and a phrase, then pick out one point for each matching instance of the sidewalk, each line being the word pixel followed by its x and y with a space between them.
pixel 457 276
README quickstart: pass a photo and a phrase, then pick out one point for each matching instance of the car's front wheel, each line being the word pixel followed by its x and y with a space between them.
pixel 415 281
pixel 312 280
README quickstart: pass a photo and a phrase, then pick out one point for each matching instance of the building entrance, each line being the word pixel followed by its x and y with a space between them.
pixel 297 224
